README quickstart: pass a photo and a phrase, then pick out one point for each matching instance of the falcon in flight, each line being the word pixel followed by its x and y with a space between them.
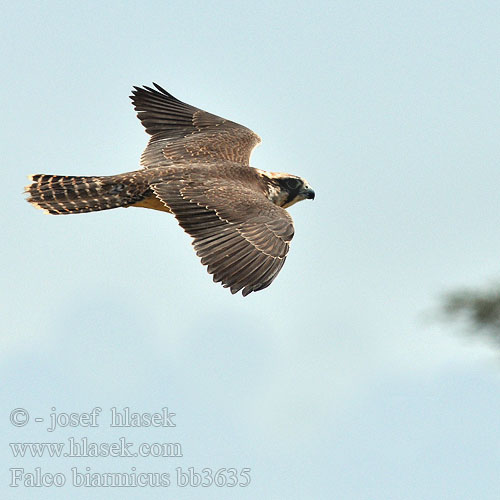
pixel 195 166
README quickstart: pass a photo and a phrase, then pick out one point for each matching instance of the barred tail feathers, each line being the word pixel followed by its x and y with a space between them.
pixel 64 194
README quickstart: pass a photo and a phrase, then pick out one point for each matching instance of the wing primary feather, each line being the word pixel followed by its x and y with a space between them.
pixel 250 267
pixel 233 259
pixel 162 90
pixel 219 244
pixel 218 258
pixel 217 262
pixel 260 274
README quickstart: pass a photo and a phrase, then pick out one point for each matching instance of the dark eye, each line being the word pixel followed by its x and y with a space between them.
pixel 293 183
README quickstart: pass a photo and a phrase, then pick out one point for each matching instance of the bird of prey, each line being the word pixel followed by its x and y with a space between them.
pixel 195 166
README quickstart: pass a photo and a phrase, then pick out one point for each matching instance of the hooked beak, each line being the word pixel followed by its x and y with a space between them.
pixel 309 194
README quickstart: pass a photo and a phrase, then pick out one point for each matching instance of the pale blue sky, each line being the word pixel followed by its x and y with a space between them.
pixel 330 384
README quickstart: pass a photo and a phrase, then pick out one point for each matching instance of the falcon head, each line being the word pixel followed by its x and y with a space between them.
pixel 285 189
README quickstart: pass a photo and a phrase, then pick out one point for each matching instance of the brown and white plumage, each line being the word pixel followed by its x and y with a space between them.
pixel 196 166
pixel 181 132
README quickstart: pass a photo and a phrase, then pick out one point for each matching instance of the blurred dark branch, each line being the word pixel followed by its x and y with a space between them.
pixel 480 309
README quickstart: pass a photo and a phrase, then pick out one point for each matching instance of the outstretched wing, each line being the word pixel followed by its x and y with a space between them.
pixel 180 132
pixel 240 236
